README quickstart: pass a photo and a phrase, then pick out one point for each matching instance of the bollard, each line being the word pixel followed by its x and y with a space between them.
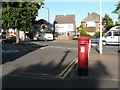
pixel 83 50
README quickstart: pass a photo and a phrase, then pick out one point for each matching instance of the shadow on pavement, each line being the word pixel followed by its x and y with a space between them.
pixel 14 51
pixel 48 68
pixel 36 70
pixel 98 76
pixel 62 60
pixel 98 70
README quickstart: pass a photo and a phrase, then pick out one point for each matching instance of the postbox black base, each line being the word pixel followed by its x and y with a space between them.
pixel 83 72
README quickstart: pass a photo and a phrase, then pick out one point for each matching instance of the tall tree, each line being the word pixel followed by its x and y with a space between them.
pixel 117 10
pixel 19 15
pixel 107 22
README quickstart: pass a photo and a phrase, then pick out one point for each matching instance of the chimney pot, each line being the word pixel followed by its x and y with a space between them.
pixel 88 14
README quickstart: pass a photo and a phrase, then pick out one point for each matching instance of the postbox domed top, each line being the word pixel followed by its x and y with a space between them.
pixel 83 39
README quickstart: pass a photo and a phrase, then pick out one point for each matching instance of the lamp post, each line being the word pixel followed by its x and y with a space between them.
pixel 48 27
pixel 48 13
pixel 100 42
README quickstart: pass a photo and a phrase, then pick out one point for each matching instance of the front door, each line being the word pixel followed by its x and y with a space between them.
pixel 68 34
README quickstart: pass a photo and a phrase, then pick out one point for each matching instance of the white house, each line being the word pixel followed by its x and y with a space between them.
pixel 92 23
pixel 65 25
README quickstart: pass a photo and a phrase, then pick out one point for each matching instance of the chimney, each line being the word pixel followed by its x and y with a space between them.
pixel 88 14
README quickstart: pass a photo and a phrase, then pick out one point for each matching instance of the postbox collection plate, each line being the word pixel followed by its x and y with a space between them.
pixel 82 49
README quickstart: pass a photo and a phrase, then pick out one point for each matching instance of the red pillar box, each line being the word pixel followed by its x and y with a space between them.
pixel 83 49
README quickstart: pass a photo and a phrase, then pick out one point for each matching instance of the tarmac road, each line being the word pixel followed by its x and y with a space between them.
pixel 41 65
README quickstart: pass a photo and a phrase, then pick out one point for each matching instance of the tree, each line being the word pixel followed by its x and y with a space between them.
pixel 19 15
pixel 116 23
pixel 107 21
pixel 82 30
pixel 116 11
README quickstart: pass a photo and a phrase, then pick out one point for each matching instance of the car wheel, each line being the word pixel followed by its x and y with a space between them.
pixel 45 39
pixel 37 39
pixel 104 43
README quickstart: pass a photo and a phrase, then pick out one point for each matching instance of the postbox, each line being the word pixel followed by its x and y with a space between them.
pixel 83 50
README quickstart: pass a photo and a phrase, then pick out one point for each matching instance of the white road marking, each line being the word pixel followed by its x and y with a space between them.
pixel 10 51
pixel 63 47
pixel 96 78
pixel 31 77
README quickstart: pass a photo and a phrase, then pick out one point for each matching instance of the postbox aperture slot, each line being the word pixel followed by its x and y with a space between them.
pixel 82 44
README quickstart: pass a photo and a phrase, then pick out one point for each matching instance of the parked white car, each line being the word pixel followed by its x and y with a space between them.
pixel 112 36
pixel 45 36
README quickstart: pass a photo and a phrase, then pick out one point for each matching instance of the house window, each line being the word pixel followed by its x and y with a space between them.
pixel 91 29
pixel 43 27
pixel 69 26
pixel 61 34
pixel 109 34
pixel 36 27
pixel 116 33
pixel 68 34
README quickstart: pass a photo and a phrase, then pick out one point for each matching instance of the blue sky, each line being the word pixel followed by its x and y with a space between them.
pixel 79 9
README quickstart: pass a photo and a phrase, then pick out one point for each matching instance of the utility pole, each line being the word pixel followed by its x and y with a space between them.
pixel 100 42
pixel 48 18
pixel 48 13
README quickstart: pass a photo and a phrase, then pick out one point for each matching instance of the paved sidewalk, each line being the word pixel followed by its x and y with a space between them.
pixel 103 67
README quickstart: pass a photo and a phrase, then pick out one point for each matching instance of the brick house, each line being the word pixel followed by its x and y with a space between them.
pixel 92 23
pixel 65 26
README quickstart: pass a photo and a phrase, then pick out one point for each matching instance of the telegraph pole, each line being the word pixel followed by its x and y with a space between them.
pixel 100 42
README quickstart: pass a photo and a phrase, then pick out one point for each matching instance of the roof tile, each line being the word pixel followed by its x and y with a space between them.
pixel 92 17
pixel 65 19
